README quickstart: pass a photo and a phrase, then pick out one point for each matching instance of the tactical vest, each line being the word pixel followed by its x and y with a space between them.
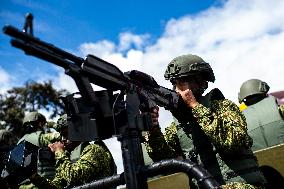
pixel 196 146
pixel 46 161
pixel 76 153
pixel 74 157
pixel 265 124
pixel 32 138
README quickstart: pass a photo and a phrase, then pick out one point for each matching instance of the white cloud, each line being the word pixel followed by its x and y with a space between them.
pixel 5 81
pixel 127 39
pixel 108 51
pixel 100 49
pixel 66 82
pixel 132 60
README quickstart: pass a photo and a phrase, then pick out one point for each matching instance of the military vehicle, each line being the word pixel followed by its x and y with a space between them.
pixel 271 162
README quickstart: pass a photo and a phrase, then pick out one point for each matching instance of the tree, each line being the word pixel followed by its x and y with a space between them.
pixel 32 96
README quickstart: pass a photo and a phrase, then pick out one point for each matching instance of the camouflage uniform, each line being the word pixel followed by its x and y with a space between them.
pixel 95 162
pixel 85 163
pixel 213 133
pixel 237 185
pixel 223 124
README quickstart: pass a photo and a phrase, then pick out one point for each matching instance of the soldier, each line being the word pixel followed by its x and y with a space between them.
pixel 77 162
pixel 211 131
pixel 34 124
pixel 263 114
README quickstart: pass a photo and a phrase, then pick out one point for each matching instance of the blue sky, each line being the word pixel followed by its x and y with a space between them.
pixel 69 23
pixel 99 19
pixel 240 39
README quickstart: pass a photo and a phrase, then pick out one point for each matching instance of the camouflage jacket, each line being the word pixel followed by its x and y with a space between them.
pixel 95 162
pixel 223 123
pixel 48 138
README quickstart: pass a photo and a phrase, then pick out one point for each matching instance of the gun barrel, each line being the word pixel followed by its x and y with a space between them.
pixel 27 38
pixel 94 70
pixel 38 52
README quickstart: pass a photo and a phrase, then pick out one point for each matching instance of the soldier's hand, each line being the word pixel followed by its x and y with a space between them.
pixel 188 97
pixel 155 116
pixel 57 146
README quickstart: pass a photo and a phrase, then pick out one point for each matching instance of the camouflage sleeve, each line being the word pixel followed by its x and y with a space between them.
pixel 224 124
pixel 172 139
pixel 47 138
pixel 281 110
pixel 94 162
pixel 162 147
pixel 239 185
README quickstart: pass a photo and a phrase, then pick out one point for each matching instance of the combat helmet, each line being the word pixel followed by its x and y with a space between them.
pixel 61 123
pixel 252 87
pixel 32 118
pixel 189 65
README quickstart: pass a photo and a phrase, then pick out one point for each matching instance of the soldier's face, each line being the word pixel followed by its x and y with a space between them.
pixel 195 84
pixel 184 85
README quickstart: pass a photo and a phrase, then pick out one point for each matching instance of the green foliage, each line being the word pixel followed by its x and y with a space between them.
pixel 32 96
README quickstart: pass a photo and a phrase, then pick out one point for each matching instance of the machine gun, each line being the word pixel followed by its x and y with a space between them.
pixel 137 90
